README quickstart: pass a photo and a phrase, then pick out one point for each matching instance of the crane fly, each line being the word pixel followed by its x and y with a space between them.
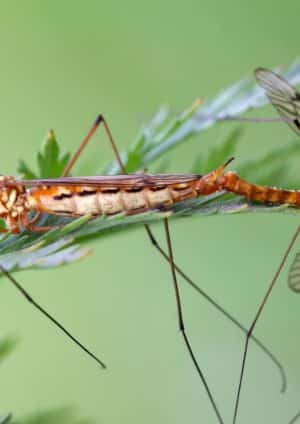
pixel 128 194
pixel 131 194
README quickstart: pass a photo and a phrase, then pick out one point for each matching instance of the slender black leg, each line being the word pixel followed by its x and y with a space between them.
pixel 50 317
pixel 181 323
pixel 100 119
pixel 258 314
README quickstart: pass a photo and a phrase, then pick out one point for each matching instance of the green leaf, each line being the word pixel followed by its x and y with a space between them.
pixel 60 245
pixel 51 162
pixel 25 171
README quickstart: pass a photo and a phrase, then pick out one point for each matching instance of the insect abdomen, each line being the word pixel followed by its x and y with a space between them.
pixel 230 181
pixel 80 200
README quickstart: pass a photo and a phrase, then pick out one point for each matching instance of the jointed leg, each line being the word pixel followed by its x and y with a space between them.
pixel 50 317
pixel 28 224
pixel 157 246
pixel 181 323
pixel 219 308
pixel 170 256
pixel 260 309
pixel 295 418
pixel 34 218
pixel 164 254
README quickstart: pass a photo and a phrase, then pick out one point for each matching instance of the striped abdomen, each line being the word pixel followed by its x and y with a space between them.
pixel 97 200
pixel 230 181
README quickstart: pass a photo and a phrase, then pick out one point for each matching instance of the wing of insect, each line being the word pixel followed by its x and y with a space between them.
pixel 294 274
pixel 283 96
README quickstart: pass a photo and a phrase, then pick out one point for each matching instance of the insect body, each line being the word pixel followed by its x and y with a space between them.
pixel 97 195
pixel 130 194
pixel 231 182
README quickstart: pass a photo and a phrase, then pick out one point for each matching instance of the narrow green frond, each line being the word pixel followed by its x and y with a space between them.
pixel 60 245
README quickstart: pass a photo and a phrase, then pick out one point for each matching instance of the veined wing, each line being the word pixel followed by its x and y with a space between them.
pixel 283 96
pixel 131 180
pixel 294 274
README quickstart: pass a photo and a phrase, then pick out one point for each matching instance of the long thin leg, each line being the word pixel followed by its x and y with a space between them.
pixel 157 246
pixel 179 309
pixel 295 418
pixel 220 309
pixel 100 119
pixel 258 314
pixel 155 243
pixel 29 226
pixel 82 146
pixel 50 317
pixel 181 323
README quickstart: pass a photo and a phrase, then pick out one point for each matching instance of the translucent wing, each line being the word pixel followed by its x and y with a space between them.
pixel 283 96
pixel 294 274
pixel 130 180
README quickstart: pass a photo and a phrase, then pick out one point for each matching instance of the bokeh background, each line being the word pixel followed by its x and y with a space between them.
pixel 62 63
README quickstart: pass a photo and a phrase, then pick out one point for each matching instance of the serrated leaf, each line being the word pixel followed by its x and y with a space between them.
pixel 60 245
pixel 50 161
pixel 55 248
pixel 25 171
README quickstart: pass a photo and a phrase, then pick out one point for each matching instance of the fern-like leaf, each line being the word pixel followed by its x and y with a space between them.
pixel 60 246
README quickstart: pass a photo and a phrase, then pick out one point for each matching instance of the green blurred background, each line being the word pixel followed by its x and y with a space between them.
pixel 62 63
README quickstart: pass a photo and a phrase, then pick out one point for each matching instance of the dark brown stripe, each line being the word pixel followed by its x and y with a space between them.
pixel 110 190
pixel 179 188
pixel 86 193
pixel 63 212
pixel 157 188
pixel 133 189
pixel 63 196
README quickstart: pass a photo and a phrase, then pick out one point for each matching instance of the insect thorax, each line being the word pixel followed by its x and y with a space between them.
pixel 13 202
